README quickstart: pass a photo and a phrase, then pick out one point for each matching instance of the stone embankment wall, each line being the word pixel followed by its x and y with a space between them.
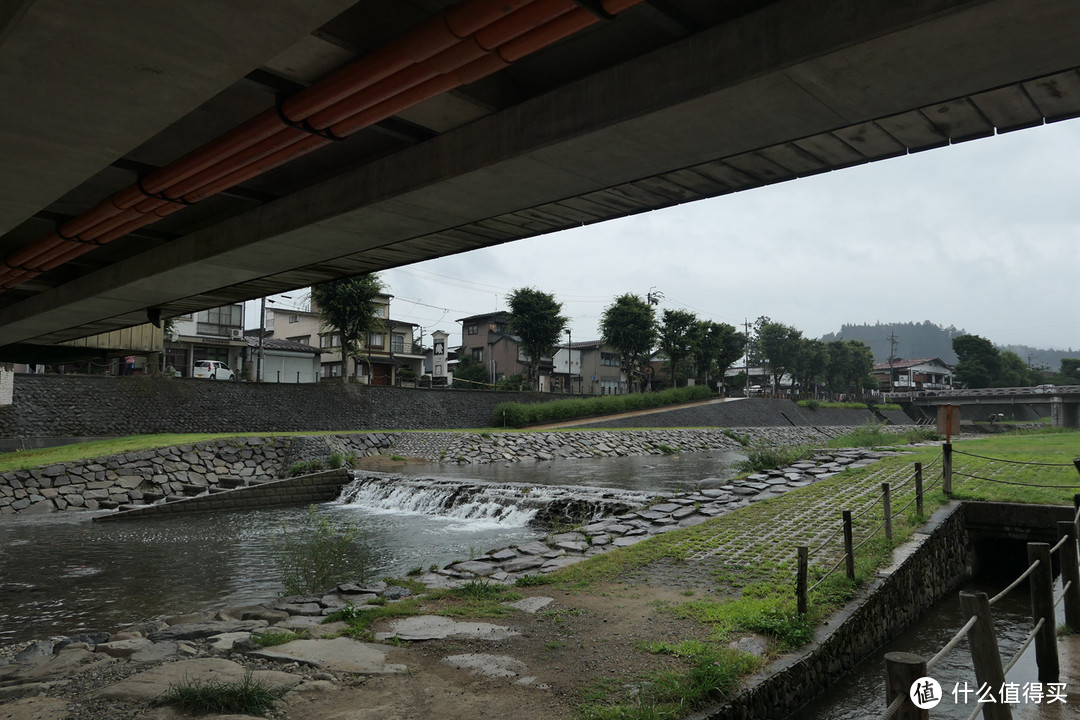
pixel 67 406
pixel 889 605
pixel 480 448
pixel 149 476
pixel 74 405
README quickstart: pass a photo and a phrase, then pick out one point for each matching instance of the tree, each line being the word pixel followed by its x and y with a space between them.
pixel 470 372
pixel 779 345
pixel 675 339
pixel 348 306
pixel 714 347
pixel 1070 371
pixel 629 326
pixel 1015 372
pixel 980 361
pixel 535 318
pixel 847 366
pixel 811 363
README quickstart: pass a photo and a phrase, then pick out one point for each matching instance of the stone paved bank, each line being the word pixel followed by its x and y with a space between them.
pixel 150 476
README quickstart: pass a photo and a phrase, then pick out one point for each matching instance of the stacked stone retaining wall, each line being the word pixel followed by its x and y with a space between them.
pixel 149 476
pixel 74 405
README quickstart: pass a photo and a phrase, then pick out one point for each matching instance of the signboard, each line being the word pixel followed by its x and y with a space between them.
pixel 948 420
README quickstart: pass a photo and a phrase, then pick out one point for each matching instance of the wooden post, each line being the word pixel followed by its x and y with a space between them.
pixel 946 468
pixel 919 507
pixel 800 579
pixel 1042 607
pixel 1070 573
pixel 901 670
pixel 886 505
pixel 984 653
pixel 849 546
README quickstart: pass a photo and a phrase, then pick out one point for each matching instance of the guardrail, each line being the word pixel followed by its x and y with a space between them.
pixel 904 669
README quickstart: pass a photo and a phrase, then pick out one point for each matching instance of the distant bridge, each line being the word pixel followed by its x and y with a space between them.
pixel 1060 402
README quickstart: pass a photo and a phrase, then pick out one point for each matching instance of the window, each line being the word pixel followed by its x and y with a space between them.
pixel 220 320
pixel 330 340
pixel 609 359
pixel 294 318
pixel 302 339
pixel 376 341
pixel 380 311
pixel 478 354
pixel 331 369
pixel 397 342
pixel 438 369
pixel 471 329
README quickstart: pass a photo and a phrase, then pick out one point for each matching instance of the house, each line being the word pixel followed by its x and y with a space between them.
pixel 215 334
pixel 283 361
pixel 382 357
pixel 594 369
pixel 913 375
pixel 486 339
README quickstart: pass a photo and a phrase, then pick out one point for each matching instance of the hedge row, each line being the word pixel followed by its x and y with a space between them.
pixel 513 414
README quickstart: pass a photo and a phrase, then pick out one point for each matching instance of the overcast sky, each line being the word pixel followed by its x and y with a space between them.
pixel 984 235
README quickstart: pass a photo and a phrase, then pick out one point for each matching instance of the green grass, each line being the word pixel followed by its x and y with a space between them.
pixel 202 697
pixel 518 415
pixel 763 455
pixel 270 638
pixel 816 404
pixel 874 435
pixel 702 674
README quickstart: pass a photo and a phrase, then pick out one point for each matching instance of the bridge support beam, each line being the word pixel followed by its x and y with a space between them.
pixel 1064 414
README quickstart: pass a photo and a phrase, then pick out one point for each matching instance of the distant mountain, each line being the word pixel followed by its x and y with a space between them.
pixel 927 339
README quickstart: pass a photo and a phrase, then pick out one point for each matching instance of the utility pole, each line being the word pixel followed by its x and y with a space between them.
pixel 892 352
pixel 746 368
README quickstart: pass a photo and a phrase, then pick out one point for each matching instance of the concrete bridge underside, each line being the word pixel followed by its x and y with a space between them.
pixel 672 101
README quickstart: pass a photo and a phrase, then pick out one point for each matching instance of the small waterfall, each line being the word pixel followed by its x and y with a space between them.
pixel 508 504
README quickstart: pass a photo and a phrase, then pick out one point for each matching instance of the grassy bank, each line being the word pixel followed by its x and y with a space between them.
pixel 518 415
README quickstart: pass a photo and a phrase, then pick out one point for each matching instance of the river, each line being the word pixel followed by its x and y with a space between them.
pixel 62 574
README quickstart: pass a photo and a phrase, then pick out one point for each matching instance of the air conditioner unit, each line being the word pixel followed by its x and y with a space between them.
pixel 236 333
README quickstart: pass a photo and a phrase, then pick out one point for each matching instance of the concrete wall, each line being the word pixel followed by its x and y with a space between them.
pixel 886 607
pixel 305 489
pixel 59 405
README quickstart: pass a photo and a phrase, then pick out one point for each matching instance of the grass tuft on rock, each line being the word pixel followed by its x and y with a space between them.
pixel 203 697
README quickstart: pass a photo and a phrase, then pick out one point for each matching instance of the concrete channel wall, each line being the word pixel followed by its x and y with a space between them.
pixel 305 489
pixel 937 563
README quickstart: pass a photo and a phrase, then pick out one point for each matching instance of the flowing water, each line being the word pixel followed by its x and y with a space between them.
pixel 62 574
pixel 860 695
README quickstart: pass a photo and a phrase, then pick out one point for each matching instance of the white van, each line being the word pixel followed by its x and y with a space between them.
pixel 213 370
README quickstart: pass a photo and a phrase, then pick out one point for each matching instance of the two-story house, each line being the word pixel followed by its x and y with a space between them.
pixel 593 369
pixel 913 375
pixel 215 334
pixel 382 357
pixel 486 339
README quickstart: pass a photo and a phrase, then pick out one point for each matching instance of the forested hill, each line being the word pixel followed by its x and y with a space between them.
pixel 927 340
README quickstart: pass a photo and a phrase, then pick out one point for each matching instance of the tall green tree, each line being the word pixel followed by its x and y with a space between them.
pixel 1015 372
pixel 714 347
pixel 848 367
pixel 629 326
pixel 780 345
pixel 980 361
pixel 535 318
pixel 348 306
pixel 1070 371
pixel 675 327
pixel 810 366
